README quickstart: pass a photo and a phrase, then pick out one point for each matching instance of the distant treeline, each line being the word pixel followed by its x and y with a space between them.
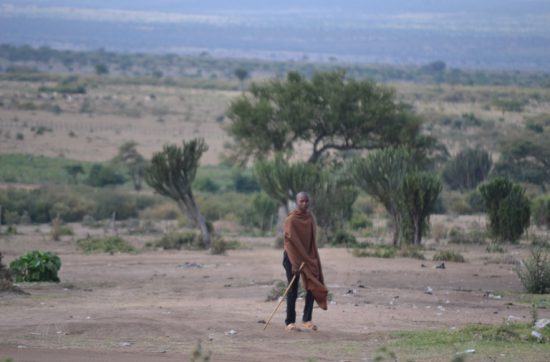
pixel 20 60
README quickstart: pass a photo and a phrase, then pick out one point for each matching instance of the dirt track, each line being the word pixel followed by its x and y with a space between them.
pixel 156 305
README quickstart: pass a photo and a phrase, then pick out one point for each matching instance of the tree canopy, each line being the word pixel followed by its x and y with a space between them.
pixel 329 112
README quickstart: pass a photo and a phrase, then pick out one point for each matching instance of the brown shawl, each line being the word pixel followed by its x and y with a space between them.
pixel 301 247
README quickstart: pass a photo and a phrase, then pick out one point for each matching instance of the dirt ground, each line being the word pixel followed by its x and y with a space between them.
pixel 157 305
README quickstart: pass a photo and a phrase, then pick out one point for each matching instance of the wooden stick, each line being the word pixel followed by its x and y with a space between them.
pixel 284 295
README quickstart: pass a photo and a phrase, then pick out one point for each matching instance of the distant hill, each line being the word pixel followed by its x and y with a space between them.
pixel 497 34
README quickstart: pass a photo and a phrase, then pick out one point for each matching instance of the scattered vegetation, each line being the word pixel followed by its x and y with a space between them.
pixel 534 272
pixel 107 244
pixel 177 241
pixel 36 266
pixel 378 251
pixel 448 255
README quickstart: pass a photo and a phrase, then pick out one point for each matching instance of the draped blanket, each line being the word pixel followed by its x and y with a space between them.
pixel 301 246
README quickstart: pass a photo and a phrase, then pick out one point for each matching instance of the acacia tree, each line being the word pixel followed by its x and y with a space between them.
pixel 171 173
pixel 329 112
pixel 241 75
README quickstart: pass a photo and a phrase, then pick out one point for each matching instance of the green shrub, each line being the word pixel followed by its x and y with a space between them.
pixel 262 213
pixel 174 240
pixel 508 209
pixel 245 183
pixel 206 184
pixel 219 246
pixel 380 251
pixel 360 220
pixel 494 248
pixel 534 272
pixel 411 251
pixel 459 236
pixel 276 291
pixel 109 244
pixel 342 238
pixel 36 266
pixel 58 230
pixel 101 176
pixel 448 255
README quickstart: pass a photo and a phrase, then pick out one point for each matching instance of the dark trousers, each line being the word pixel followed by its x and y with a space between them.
pixel 293 295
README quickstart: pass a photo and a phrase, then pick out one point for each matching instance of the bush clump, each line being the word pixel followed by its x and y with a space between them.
pixel 342 238
pixel 534 272
pixel 109 244
pixel 380 251
pixel 36 266
pixel 508 209
pixel 175 240
pixel 459 236
pixel 448 255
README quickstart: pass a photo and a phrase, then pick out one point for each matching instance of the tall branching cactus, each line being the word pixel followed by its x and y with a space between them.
pixel 171 173
pixel 381 175
pixel 419 194
pixel 331 194
pixel 467 169
pixel 391 176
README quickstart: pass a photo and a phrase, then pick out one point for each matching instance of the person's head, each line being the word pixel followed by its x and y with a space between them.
pixel 302 201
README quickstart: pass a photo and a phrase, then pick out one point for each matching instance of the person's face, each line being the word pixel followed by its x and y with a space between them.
pixel 302 202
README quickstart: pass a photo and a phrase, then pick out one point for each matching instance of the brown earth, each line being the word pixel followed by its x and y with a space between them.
pixel 157 305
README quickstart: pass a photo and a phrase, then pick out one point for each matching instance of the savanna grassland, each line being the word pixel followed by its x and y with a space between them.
pixel 136 287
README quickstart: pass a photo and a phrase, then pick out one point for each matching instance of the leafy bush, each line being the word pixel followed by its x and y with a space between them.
pixel 109 244
pixel 360 220
pixel 473 236
pixel 411 251
pixel 262 213
pixel 36 266
pixel 174 240
pixel 534 272
pixel 494 248
pixel 101 175
pixel 219 246
pixel 508 209
pixel 206 185
pixel 448 255
pixel 342 238
pixel 245 183
pixel 380 251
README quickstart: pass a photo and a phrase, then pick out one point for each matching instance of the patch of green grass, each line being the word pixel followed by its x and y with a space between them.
pixel 31 169
pixel 109 244
pixel 508 342
pixel 542 301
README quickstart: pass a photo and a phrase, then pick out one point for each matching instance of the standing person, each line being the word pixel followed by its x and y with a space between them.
pixel 300 246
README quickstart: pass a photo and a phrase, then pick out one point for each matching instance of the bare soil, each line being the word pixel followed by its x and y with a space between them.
pixel 157 305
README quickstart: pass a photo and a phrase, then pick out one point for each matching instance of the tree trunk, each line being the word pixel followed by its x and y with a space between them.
pixel 190 208
pixel 396 229
pixel 282 213
pixel 417 231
